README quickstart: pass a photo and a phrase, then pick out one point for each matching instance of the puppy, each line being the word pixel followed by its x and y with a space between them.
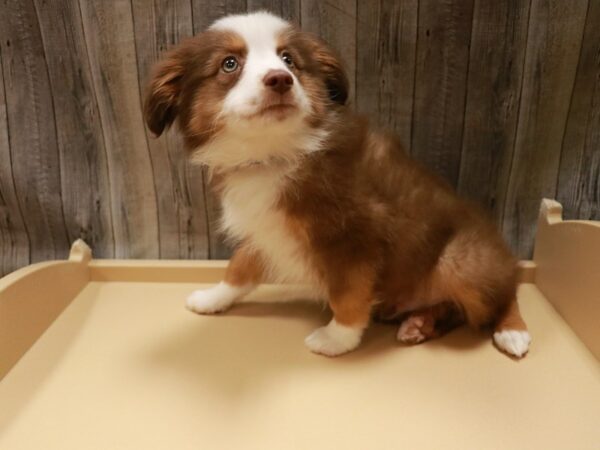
pixel 312 194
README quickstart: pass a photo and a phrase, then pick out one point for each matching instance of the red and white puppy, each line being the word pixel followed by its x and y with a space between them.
pixel 311 194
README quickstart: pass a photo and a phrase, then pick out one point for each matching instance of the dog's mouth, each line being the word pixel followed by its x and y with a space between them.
pixel 277 107
pixel 277 110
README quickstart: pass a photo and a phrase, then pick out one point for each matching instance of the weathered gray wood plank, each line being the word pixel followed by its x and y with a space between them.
pixel 108 29
pixel 553 45
pixel 180 189
pixel 444 36
pixel 579 177
pixel 335 22
pixel 288 9
pixel 206 12
pixel 498 40
pixel 499 97
pixel 84 173
pixel 33 143
pixel 385 80
pixel 14 242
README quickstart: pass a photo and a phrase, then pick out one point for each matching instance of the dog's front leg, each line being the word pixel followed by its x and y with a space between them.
pixel 244 273
pixel 350 299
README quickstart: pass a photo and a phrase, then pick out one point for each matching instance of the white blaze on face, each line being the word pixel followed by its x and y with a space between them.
pixel 260 31
pixel 247 136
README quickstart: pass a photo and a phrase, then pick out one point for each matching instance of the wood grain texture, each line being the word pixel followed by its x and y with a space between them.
pixel 440 84
pixel 83 165
pixel 579 174
pixel 288 9
pixel 33 143
pixel 14 241
pixel 335 22
pixel 113 65
pixel 206 12
pixel 501 98
pixel 553 46
pixel 385 79
pixel 498 40
pixel 183 228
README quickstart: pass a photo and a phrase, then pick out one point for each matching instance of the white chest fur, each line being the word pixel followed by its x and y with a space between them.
pixel 250 213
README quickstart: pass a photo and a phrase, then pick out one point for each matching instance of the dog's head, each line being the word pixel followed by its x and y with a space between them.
pixel 250 88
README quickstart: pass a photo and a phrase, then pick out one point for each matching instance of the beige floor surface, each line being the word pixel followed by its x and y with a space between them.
pixel 127 367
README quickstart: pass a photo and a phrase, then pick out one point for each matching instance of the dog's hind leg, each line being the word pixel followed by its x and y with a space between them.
pixel 431 322
pixel 510 334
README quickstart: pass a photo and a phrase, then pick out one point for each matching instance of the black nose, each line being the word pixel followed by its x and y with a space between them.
pixel 278 80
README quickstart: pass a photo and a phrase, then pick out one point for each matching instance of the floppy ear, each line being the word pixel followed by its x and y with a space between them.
pixel 332 68
pixel 336 78
pixel 163 93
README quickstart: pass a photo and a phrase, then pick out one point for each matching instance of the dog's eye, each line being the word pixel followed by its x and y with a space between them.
pixel 287 59
pixel 230 64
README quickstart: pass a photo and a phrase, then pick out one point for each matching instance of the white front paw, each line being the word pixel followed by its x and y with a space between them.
pixel 215 299
pixel 334 339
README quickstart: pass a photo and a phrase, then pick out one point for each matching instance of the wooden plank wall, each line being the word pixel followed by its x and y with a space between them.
pixel 501 97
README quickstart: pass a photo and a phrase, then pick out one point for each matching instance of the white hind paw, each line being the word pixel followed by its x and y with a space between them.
pixel 513 342
pixel 411 330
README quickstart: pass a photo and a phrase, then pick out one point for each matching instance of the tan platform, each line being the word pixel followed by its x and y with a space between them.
pixel 125 366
